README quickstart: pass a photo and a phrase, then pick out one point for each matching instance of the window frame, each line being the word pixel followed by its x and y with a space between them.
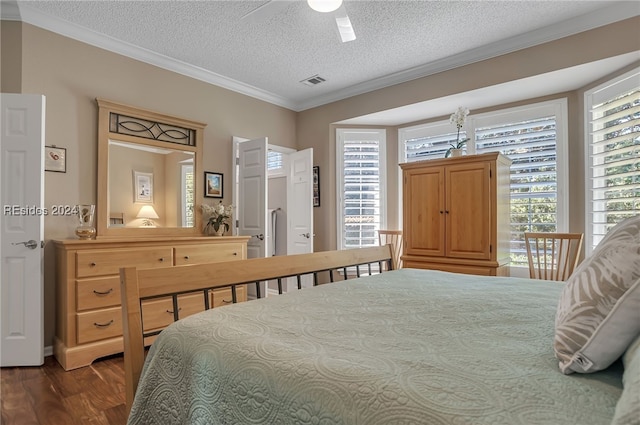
pixel 378 134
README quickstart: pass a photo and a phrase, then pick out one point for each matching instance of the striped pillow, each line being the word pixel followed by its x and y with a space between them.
pixel 598 314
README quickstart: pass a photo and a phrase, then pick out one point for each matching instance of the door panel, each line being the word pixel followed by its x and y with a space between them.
pixel 425 191
pixel 252 200
pixel 22 192
pixel 300 208
pixel 468 211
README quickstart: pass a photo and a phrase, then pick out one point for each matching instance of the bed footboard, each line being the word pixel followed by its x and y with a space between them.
pixel 138 285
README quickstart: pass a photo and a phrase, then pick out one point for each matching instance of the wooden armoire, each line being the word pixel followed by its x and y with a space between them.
pixel 456 214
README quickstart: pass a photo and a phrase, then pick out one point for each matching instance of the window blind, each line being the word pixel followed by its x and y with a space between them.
pixel 361 213
pixel 274 160
pixel 614 157
pixel 531 145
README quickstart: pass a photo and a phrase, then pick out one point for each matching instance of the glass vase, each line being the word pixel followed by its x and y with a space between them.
pixel 86 215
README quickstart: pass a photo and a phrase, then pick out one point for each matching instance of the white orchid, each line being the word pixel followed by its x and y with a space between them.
pixel 219 215
pixel 458 118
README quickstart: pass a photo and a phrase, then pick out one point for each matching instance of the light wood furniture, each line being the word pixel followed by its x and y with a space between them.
pixel 456 214
pixel 393 238
pixel 88 302
pixel 138 284
pixel 552 256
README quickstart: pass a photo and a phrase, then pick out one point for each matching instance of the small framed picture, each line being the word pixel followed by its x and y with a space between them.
pixel 316 186
pixel 143 187
pixel 212 185
pixel 55 159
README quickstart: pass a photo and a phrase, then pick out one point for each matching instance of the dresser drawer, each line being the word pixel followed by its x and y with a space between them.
pixel 97 293
pixel 100 324
pixel 106 262
pixel 158 314
pixel 223 296
pixel 199 254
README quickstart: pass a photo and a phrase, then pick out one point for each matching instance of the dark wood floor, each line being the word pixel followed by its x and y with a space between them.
pixel 49 395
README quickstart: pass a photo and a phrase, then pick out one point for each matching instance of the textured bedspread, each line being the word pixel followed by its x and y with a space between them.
pixel 404 347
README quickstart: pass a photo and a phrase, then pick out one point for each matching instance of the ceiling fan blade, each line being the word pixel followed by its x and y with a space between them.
pixel 344 25
pixel 266 11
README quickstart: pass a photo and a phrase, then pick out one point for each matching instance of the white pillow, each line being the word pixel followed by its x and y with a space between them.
pixel 598 314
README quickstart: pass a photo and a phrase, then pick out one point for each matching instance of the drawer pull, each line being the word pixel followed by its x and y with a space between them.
pixel 227 301
pixel 161 258
pixel 103 325
pixel 235 253
pixel 92 264
pixel 171 311
pixel 103 293
pixel 186 257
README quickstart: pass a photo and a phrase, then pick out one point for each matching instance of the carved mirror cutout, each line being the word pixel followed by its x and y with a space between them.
pixel 148 165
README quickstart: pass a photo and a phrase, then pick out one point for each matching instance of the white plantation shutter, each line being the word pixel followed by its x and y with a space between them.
pixel 360 187
pixel 614 155
pixel 531 145
pixel 430 147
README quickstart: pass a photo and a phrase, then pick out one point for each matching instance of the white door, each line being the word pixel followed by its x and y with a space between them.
pixel 300 210
pixel 300 203
pixel 252 199
pixel 22 229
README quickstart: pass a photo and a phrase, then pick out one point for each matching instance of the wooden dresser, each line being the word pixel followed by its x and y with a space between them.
pixel 89 316
pixel 456 214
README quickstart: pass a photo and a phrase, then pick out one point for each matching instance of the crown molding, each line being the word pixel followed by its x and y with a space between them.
pixel 9 10
pixel 616 12
pixel 68 29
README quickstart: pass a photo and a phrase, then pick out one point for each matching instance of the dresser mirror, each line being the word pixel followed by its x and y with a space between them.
pixel 148 168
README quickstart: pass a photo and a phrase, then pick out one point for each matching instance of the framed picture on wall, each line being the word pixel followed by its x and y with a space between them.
pixel 55 159
pixel 143 187
pixel 316 186
pixel 212 185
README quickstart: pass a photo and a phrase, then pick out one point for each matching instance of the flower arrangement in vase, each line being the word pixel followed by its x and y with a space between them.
pixel 458 118
pixel 219 216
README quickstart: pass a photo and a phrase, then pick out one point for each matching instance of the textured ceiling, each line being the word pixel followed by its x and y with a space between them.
pixel 396 40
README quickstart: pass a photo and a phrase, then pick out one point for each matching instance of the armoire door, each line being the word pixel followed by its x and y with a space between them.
pixel 424 209
pixel 468 210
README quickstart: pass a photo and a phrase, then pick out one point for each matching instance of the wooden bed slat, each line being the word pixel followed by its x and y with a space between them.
pixel 138 284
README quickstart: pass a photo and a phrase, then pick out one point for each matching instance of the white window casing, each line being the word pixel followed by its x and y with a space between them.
pixel 360 186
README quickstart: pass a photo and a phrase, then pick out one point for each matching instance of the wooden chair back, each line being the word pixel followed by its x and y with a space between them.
pixel 393 238
pixel 552 256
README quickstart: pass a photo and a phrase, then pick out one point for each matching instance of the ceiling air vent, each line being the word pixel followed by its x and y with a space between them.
pixel 314 80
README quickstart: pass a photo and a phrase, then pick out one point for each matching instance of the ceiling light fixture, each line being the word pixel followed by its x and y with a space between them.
pixel 324 5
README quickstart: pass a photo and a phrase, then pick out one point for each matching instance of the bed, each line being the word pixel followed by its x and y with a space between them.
pixel 402 347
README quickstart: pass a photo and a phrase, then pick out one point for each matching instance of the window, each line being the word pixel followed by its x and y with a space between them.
pixel 534 138
pixel 274 161
pixel 188 195
pixel 361 186
pixel 613 155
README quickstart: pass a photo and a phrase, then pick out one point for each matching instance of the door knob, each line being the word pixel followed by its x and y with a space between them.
pixel 306 235
pixel 260 236
pixel 31 244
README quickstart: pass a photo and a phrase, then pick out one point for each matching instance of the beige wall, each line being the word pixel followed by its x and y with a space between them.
pixel 315 126
pixel 11 56
pixel 72 74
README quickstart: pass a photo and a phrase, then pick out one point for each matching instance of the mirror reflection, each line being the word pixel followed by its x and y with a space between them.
pixel 150 186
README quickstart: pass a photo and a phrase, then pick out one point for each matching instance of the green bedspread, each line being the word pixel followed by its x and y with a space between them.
pixel 404 347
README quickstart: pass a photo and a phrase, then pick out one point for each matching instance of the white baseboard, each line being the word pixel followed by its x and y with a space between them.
pixel 48 350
